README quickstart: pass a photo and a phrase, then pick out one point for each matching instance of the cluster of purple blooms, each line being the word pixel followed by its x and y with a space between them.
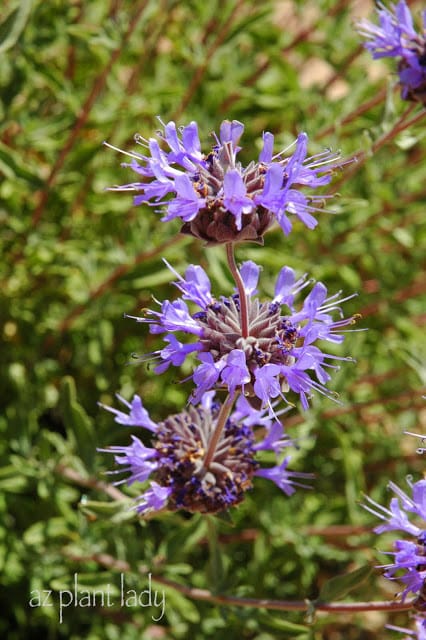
pixel 217 199
pixel 257 352
pixel 174 464
pixel 406 514
pixel 279 353
pixel 409 556
pixel 396 37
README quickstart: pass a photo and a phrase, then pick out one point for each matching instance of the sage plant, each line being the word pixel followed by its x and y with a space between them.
pixel 252 359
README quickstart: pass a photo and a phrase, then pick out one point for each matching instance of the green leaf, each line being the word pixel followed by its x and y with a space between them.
pixel 77 421
pixel 339 586
pixel 178 602
pixel 12 165
pixel 115 511
pixel 279 624
pixel 14 24
pixel 13 483
pixel 39 533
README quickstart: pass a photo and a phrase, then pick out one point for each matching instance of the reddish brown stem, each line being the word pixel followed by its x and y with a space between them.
pixel 195 593
pixel 366 106
pixel 225 410
pixel 90 483
pixel 360 157
pixel 241 290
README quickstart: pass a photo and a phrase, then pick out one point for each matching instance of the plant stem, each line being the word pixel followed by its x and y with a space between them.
pixel 224 412
pixel 240 286
pixel 360 157
pixel 197 593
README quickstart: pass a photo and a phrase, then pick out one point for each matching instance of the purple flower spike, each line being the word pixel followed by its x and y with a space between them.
pixel 176 468
pixel 397 38
pixel 216 197
pixel 409 555
pixel 279 353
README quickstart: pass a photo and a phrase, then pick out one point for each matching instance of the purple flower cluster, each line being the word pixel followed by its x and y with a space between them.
pixel 218 199
pixel 279 353
pixel 204 458
pixel 409 566
pixel 396 37
pixel 174 463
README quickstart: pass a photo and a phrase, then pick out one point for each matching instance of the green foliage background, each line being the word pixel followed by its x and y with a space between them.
pixel 75 258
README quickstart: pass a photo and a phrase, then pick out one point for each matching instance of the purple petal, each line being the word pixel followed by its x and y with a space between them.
pixel 272 194
pixel 419 498
pixel 171 136
pixel 195 286
pixel 284 223
pixel 250 275
pixel 235 199
pixel 267 384
pixel 175 353
pixel 275 440
pixel 231 132
pixel 137 417
pixel 174 316
pixel 297 203
pixel 268 148
pixel 191 141
pixel 235 373
pixel 137 459
pixel 187 203
pixel 284 479
pixel 205 375
pixel 155 498
pixel 284 286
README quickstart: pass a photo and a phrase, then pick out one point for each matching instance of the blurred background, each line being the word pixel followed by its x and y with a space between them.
pixel 77 257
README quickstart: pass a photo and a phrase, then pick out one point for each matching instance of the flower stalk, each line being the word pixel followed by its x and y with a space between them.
pixel 241 290
pixel 223 416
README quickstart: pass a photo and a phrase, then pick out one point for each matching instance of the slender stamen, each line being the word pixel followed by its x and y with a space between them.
pixel 136 156
pixel 240 286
